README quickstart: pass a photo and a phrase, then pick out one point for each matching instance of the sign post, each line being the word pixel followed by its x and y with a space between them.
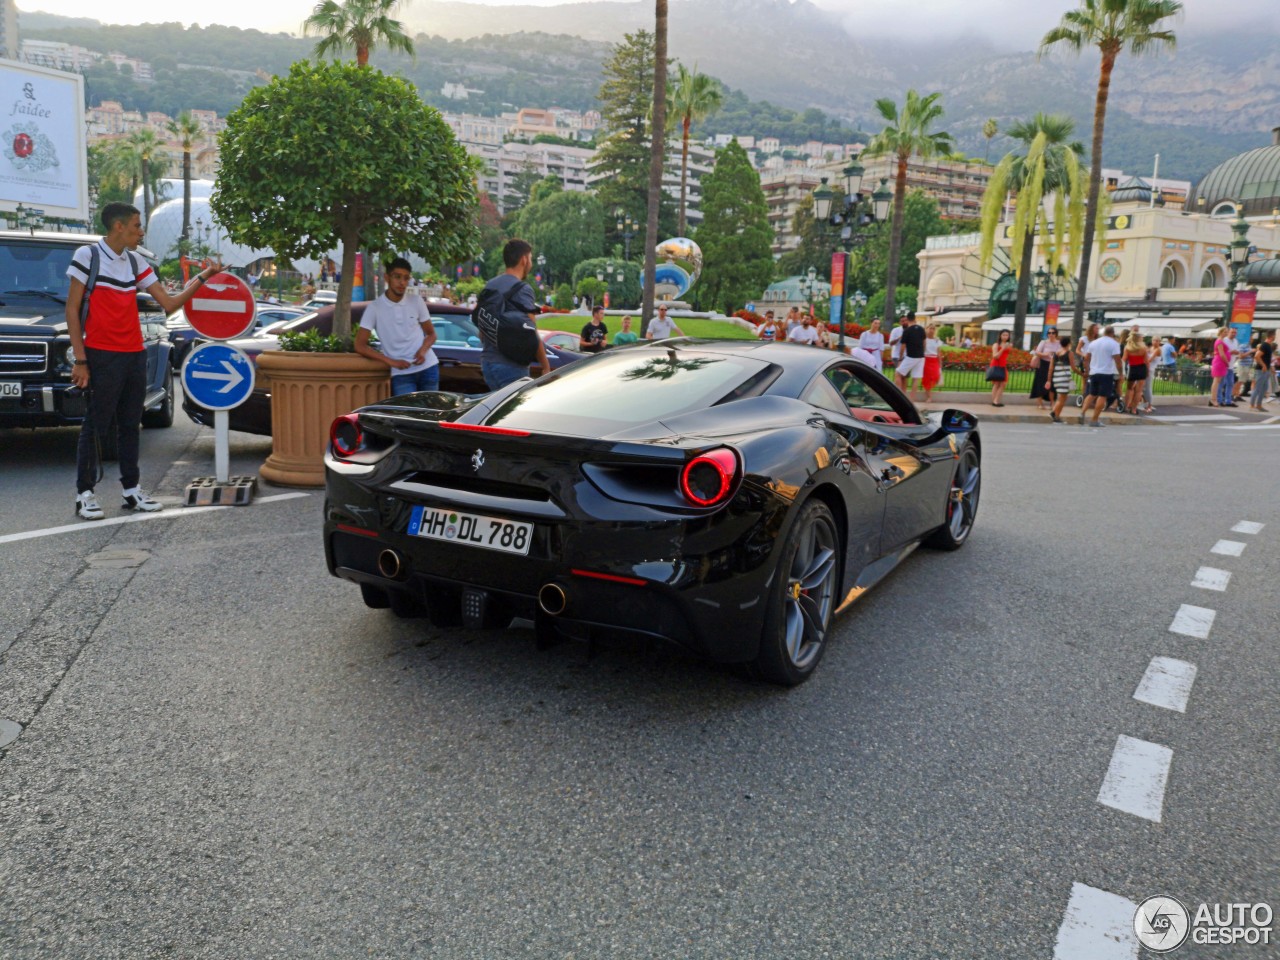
pixel 219 377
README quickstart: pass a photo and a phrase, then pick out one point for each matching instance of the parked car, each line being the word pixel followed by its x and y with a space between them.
pixel 267 315
pixel 321 298
pixel 35 360
pixel 729 496
pixel 457 348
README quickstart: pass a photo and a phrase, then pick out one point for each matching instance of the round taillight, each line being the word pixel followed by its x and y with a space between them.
pixel 707 480
pixel 345 435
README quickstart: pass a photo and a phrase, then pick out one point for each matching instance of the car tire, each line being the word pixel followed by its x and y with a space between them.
pixel 802 599
pixel 962 502
pixel 162 416
pixel 374 598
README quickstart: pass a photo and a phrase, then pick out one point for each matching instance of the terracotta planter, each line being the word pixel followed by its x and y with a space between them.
pixel 308 391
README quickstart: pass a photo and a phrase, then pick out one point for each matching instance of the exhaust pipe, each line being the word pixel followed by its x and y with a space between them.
pixel 390 565
pixel 552 599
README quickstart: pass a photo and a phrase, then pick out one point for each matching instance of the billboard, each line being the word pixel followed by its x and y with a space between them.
pixel 43 164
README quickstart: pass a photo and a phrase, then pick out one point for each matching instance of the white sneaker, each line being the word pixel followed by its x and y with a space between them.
pixel 137 499
pixel 87 506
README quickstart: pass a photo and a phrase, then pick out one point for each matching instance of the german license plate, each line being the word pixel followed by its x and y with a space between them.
pixel 10 388
pixel 491 533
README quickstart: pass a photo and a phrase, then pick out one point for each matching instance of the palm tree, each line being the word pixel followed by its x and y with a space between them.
pixel 358 24
pixel 1048 165
pixel 121 166
pixel 153 163
pixel 185 130
pixel 1112 26
pixel 989 130
pixel 657 155
pixel 694 97
pixel 906 133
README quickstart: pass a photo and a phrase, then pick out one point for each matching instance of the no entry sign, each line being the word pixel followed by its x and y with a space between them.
pixel 222 309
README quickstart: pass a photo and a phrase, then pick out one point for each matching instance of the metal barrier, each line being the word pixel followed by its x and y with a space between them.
pixel 1183 381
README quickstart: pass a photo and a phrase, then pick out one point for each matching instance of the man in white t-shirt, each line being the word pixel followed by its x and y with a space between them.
pixel 660 327
pixel 805 333
pixel 405 334
pixel 1105 357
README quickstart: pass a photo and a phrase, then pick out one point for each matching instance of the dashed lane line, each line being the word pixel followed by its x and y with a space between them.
pixel 174 514
pixel 1228 548
pixel 1193 621
pixel 1096 926
pixel 1136 778
pixel 1248 526
pixel 1167 684
pixel 1211 578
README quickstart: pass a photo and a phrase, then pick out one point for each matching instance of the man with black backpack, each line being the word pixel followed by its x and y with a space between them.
pixel 110 361
pixel 506 315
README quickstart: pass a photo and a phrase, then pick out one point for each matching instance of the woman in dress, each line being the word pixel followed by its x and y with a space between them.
pixel 998 372
pixel 872 341
pixel 1044 352
pixel 1135 357
pixel 932 360
pixel 1062 367
pixel 1153 360
pixel 1219 366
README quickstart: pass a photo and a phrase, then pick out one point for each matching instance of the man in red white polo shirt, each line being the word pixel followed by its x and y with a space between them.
pixel 110 360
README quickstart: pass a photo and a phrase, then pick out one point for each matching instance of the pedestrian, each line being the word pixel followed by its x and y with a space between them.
pixel 824 334
pixel 1154 361
pixel 1168 358
pixel 872 341
pixel 793 320
pixel 805 333
pixel 1040 357
pixel 405 333
pixel 1135 356
pixel 1105 357
pixel 932 361
pixel 1244 371
pixel 1219 368
pixel 911 366
pixel 626 335
pixel 595 334
pixel 507 317
pixel 1062 368
pixel 998 371
pixel 108 358
pixel 660 327
pixel 768 330
pixel 1263 370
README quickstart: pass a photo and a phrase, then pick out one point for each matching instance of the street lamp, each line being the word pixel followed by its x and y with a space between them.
pixel 859 301
pixel 542 267
pixel 1239 254
pixel 627 227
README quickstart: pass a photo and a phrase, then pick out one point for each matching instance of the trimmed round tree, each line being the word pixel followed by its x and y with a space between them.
pixel 336 153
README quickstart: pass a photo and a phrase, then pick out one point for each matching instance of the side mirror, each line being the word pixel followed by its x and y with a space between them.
pixel 473 342
pixel 958 421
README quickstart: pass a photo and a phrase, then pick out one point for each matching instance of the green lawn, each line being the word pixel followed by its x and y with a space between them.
pixel 717 329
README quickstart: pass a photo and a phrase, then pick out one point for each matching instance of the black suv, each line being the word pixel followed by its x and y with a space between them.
pixel 35 366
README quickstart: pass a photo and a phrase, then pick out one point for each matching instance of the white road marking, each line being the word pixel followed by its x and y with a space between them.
pixel 1228 548
pixel 1195 418
pixel 1136 779
pixel 1211 578
pixel 1192 621
pixel 1247 526
pixel 1167 683
pixel 84 525
pixel 1252 426
pixel 1097 926
pixel 1272 420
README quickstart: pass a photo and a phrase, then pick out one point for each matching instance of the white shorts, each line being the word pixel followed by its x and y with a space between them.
pixel 911 367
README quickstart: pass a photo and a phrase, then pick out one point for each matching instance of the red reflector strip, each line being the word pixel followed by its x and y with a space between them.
pixel 481 428
pixel 612 578
pixel 359 531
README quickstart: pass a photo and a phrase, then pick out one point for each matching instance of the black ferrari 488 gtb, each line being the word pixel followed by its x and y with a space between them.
pixel 730 496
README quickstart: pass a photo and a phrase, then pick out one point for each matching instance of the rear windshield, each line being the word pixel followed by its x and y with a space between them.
pixel 612 391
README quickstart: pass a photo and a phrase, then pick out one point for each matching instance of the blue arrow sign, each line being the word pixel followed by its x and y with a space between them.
pixel 217 377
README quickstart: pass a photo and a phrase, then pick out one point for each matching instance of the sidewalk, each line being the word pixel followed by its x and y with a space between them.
pixel 1022 409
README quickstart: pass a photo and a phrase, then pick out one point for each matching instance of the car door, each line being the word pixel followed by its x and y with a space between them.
pixel 910 460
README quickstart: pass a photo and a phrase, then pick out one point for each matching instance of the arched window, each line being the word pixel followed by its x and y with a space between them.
pixel 1224 209
pixel 1213 277
pixel 1171 275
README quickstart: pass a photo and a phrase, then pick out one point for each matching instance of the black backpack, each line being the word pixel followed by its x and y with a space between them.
pixel 507 327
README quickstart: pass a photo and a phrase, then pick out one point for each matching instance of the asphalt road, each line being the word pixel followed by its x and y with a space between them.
pixel 225 754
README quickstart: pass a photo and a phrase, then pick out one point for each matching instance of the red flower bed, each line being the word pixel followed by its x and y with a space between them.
pixel 755 319
pixel 979 358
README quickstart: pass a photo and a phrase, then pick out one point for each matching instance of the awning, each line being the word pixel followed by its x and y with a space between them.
pixel 1186 325
pixel 1034 324
pixel 960 317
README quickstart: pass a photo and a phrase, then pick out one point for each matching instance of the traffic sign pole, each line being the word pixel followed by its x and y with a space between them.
pixel 219 377
pixel 221 445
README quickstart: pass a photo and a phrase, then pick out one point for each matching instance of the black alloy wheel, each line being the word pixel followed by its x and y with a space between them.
pixel 802 599
pixel 962 503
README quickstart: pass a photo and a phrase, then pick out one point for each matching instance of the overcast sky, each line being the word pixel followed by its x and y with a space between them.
pixel 1016 22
